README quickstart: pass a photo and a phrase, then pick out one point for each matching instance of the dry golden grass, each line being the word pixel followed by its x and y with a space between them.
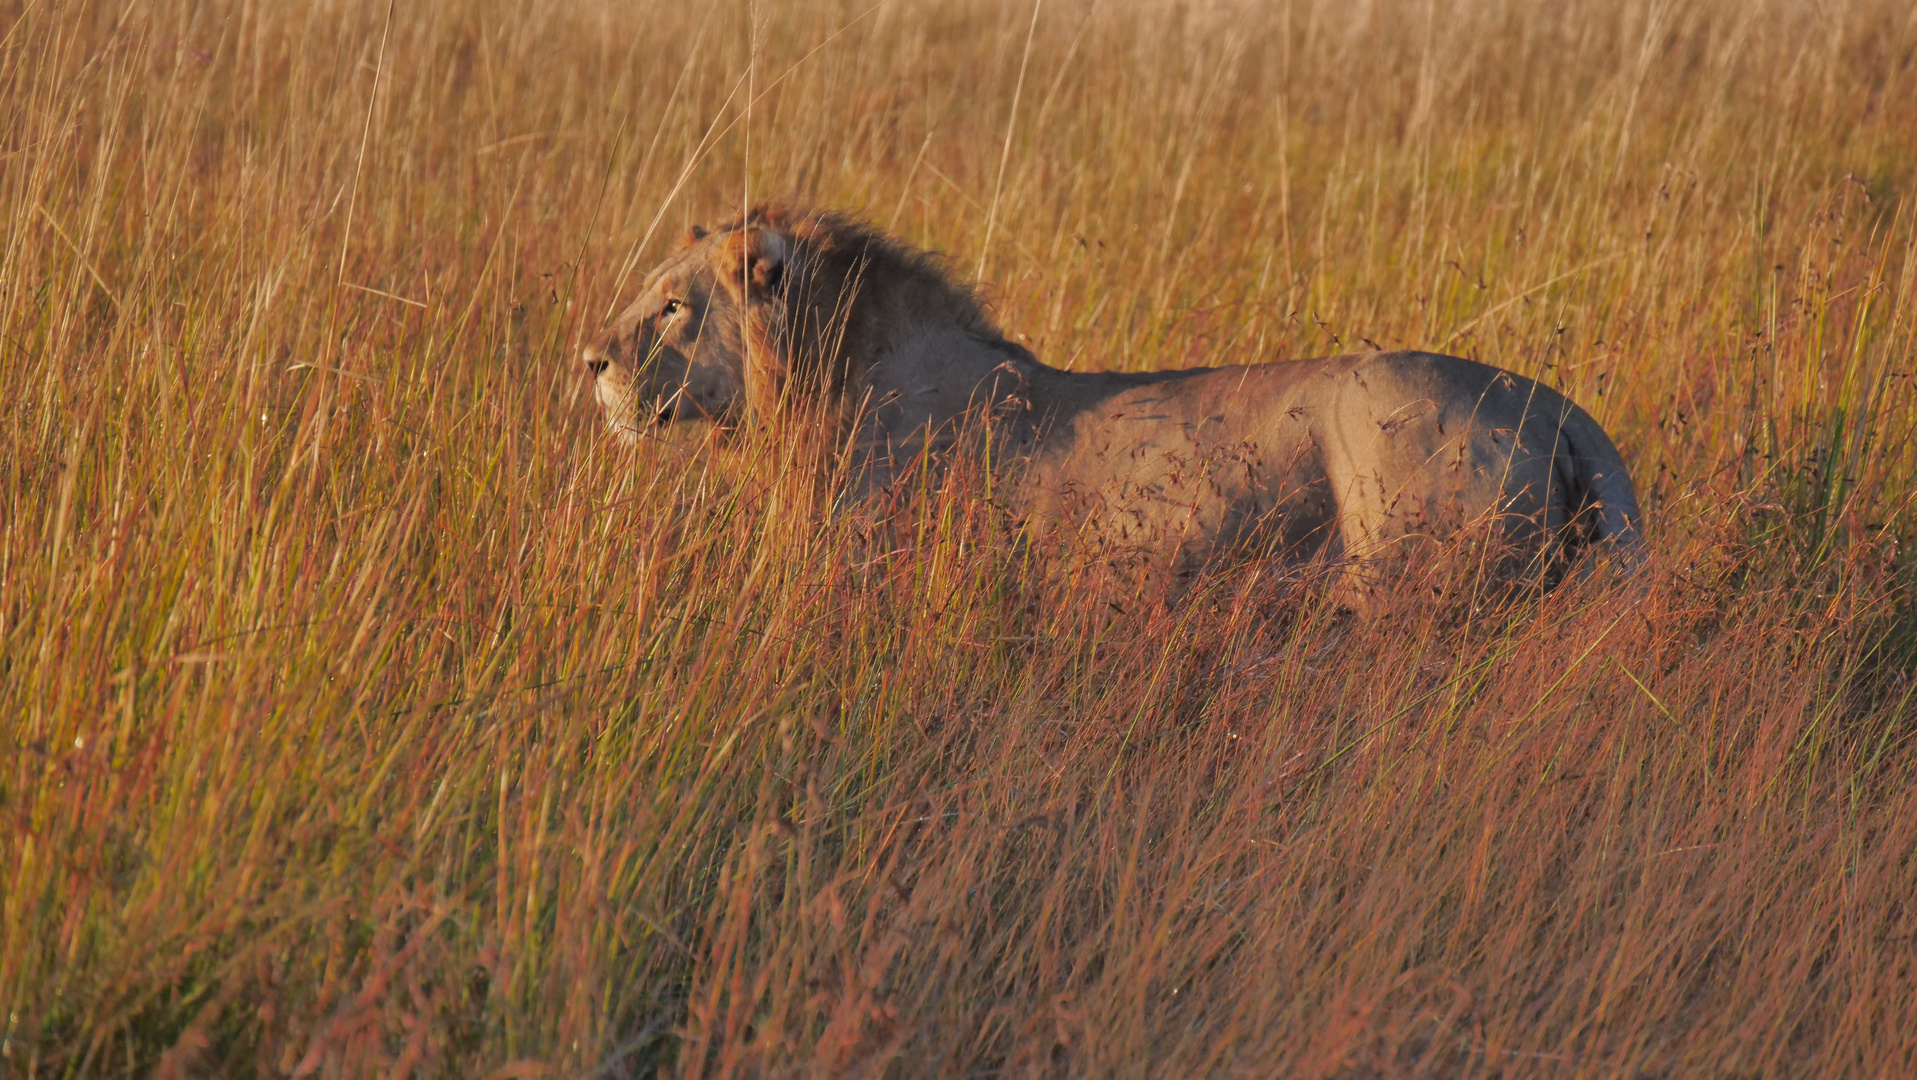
pixel 368 711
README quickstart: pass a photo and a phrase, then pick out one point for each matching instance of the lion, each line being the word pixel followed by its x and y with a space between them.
pixel 1359 459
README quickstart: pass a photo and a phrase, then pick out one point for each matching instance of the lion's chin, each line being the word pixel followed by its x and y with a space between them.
pixel 620 405
pixel 625 431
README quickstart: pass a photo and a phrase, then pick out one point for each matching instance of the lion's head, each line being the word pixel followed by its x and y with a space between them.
pixel 777 306
pixel 678 352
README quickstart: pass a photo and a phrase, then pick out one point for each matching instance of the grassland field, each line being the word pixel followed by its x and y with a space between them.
pixel 365 710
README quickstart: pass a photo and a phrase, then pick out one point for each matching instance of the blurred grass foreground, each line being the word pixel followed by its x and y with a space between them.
pixel 365 710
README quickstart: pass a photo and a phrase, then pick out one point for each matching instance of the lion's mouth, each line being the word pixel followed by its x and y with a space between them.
pixel 627 406
pixel 633 409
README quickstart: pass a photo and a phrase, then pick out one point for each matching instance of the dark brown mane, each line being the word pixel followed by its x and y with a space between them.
pixel 876 257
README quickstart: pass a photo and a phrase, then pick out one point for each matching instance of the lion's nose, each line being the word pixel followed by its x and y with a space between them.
pixel 596 363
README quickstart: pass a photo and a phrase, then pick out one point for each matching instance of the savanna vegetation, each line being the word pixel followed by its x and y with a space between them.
pixel 366 710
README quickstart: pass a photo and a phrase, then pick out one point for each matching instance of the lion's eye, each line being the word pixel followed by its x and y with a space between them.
pixel 670 309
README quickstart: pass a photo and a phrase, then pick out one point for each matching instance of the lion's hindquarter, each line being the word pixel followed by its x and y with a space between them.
pixel 1424 448
pixel 1361 456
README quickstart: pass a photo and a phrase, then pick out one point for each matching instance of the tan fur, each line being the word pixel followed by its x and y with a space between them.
pixel 1356 458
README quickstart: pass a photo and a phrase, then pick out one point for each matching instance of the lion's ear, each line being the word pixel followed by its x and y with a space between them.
pixel 695 233
pixel 751 262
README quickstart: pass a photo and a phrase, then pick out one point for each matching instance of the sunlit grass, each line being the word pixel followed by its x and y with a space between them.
pixel 368 710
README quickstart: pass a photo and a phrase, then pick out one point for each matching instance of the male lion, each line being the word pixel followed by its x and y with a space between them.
pixel 1355 458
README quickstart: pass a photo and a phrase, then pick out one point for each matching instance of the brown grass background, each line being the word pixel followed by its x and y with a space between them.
pixel 365 711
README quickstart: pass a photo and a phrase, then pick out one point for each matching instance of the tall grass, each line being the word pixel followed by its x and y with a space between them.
pixel 368 711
